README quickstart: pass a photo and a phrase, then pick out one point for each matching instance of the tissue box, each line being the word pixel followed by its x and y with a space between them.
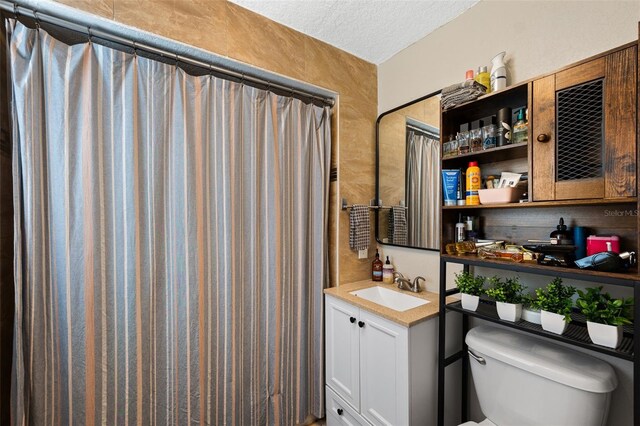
pixel 501 195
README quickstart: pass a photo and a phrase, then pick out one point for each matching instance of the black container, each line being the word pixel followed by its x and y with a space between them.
pixel 504 126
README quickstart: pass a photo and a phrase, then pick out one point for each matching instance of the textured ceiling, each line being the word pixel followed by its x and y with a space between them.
pixel 373 30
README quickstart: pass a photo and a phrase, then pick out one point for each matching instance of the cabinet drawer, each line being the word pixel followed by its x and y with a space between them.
pixel 340 413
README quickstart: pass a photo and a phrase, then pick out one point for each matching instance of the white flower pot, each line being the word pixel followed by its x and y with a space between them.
pixel 553 323
pixel 470 302
pixel 509 311
pixel 605 335
pixel 531 316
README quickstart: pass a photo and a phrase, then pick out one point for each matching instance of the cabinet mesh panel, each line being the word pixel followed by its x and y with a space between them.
pixel 580 127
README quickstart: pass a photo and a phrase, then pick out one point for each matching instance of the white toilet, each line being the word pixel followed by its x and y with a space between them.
pixel 523 380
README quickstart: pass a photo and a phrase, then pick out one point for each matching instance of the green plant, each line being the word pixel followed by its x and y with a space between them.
pixel 507 291
pixel 470 284
pixel 555 298
pixel 602 308
pixel 529 302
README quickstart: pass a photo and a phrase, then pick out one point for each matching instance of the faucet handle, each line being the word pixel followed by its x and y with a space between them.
pixel 416 282
pixel 397 275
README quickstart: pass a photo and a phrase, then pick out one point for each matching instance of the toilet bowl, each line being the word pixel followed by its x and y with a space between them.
pixel 523 380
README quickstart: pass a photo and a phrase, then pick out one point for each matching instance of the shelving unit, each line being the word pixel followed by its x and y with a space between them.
pixel 612 209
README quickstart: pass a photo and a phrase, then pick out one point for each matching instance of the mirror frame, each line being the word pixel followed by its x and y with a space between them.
pixel 377 211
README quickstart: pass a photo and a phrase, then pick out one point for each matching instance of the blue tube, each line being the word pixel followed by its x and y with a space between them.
pixel 450 179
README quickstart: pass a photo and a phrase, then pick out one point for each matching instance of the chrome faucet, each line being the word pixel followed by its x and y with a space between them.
pixel 405 283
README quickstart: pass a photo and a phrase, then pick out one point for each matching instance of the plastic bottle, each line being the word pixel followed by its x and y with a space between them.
pixel 484 78
pixel 498 72
pixel 387 272
pixel 376 268
pixel 520 128
pixel 473 184
pixel 468 75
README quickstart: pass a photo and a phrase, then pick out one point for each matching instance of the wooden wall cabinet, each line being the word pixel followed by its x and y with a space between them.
pixel 583 130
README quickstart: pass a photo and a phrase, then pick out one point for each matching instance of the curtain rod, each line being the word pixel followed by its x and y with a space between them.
pixel 425 131
pixel 93 26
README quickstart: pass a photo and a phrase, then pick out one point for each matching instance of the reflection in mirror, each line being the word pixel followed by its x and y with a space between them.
pixel 408 178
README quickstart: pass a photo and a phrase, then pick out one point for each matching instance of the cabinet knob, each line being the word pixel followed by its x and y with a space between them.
pixel 352 319
pixel 360 324
pixel 543 137
pixel 340 411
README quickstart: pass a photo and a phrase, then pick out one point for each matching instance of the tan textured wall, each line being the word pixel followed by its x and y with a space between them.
pixel 229 30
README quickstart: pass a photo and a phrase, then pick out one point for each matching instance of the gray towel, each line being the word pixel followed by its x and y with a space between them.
pixel 460 93
pixel 359 227
pixel 399 217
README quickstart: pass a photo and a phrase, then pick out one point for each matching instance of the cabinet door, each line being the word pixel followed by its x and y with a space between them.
pixel 342 350
pixel 384 367
pixel 583 130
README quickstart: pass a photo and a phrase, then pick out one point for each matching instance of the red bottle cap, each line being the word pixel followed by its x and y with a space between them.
pixel 469 75
pixel 473 163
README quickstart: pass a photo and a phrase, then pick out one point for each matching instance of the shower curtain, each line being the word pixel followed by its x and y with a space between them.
pixel 423 190
pixel 171 242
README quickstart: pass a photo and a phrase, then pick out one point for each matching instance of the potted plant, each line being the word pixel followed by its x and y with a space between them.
pixel 508 296
pixel 530 312
pixel 554 302
pixel 471 288
pixel 605 316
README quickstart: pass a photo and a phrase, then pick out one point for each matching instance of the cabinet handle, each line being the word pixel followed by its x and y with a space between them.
pixel 352 319
pixel 340 411
pixel 360 324
pixel 543 137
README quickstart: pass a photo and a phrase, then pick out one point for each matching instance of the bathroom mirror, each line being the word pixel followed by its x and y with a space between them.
pixel 408 174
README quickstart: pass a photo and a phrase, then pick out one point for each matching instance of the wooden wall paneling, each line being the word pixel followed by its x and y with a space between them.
pixel 520 225
pixel 543 153
pixel 620 123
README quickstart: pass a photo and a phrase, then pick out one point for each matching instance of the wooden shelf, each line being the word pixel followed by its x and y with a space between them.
pixel 575 334
pixel 516 90
pixel 561 203
pixel 492 155
pixel 627 279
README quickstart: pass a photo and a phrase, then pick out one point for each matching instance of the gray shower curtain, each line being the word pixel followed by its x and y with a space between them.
pixel 171 242
pixel 423 190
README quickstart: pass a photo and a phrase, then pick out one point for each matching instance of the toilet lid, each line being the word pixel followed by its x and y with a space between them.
pixel 485 422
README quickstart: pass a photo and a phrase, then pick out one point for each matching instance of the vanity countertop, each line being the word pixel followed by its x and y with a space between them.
pixel 406 318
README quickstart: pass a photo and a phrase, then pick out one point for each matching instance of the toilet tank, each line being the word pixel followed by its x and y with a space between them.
pixel 528 381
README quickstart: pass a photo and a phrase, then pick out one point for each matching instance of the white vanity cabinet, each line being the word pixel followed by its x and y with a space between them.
pixel 377 371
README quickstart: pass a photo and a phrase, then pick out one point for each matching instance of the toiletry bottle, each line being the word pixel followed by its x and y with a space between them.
pixel 483 78
pixel 460 232
pixel 469 75
pixel 376 268
pixel 504 126
pixel 520 128
pixel 473 184
pixel 498 72
pixel 387 272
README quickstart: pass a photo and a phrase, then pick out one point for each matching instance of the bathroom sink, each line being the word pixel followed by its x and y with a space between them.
pixel 389 298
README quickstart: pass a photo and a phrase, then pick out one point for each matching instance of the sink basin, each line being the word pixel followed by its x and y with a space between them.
pixel 391 299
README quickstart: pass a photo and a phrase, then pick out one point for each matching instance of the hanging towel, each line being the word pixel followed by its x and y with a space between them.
pixel 359 228
pixel 399 217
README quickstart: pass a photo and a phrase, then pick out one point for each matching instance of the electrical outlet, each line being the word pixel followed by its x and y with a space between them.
pixel 363 254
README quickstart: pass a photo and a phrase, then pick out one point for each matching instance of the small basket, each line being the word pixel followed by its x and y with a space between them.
pixel 501 195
